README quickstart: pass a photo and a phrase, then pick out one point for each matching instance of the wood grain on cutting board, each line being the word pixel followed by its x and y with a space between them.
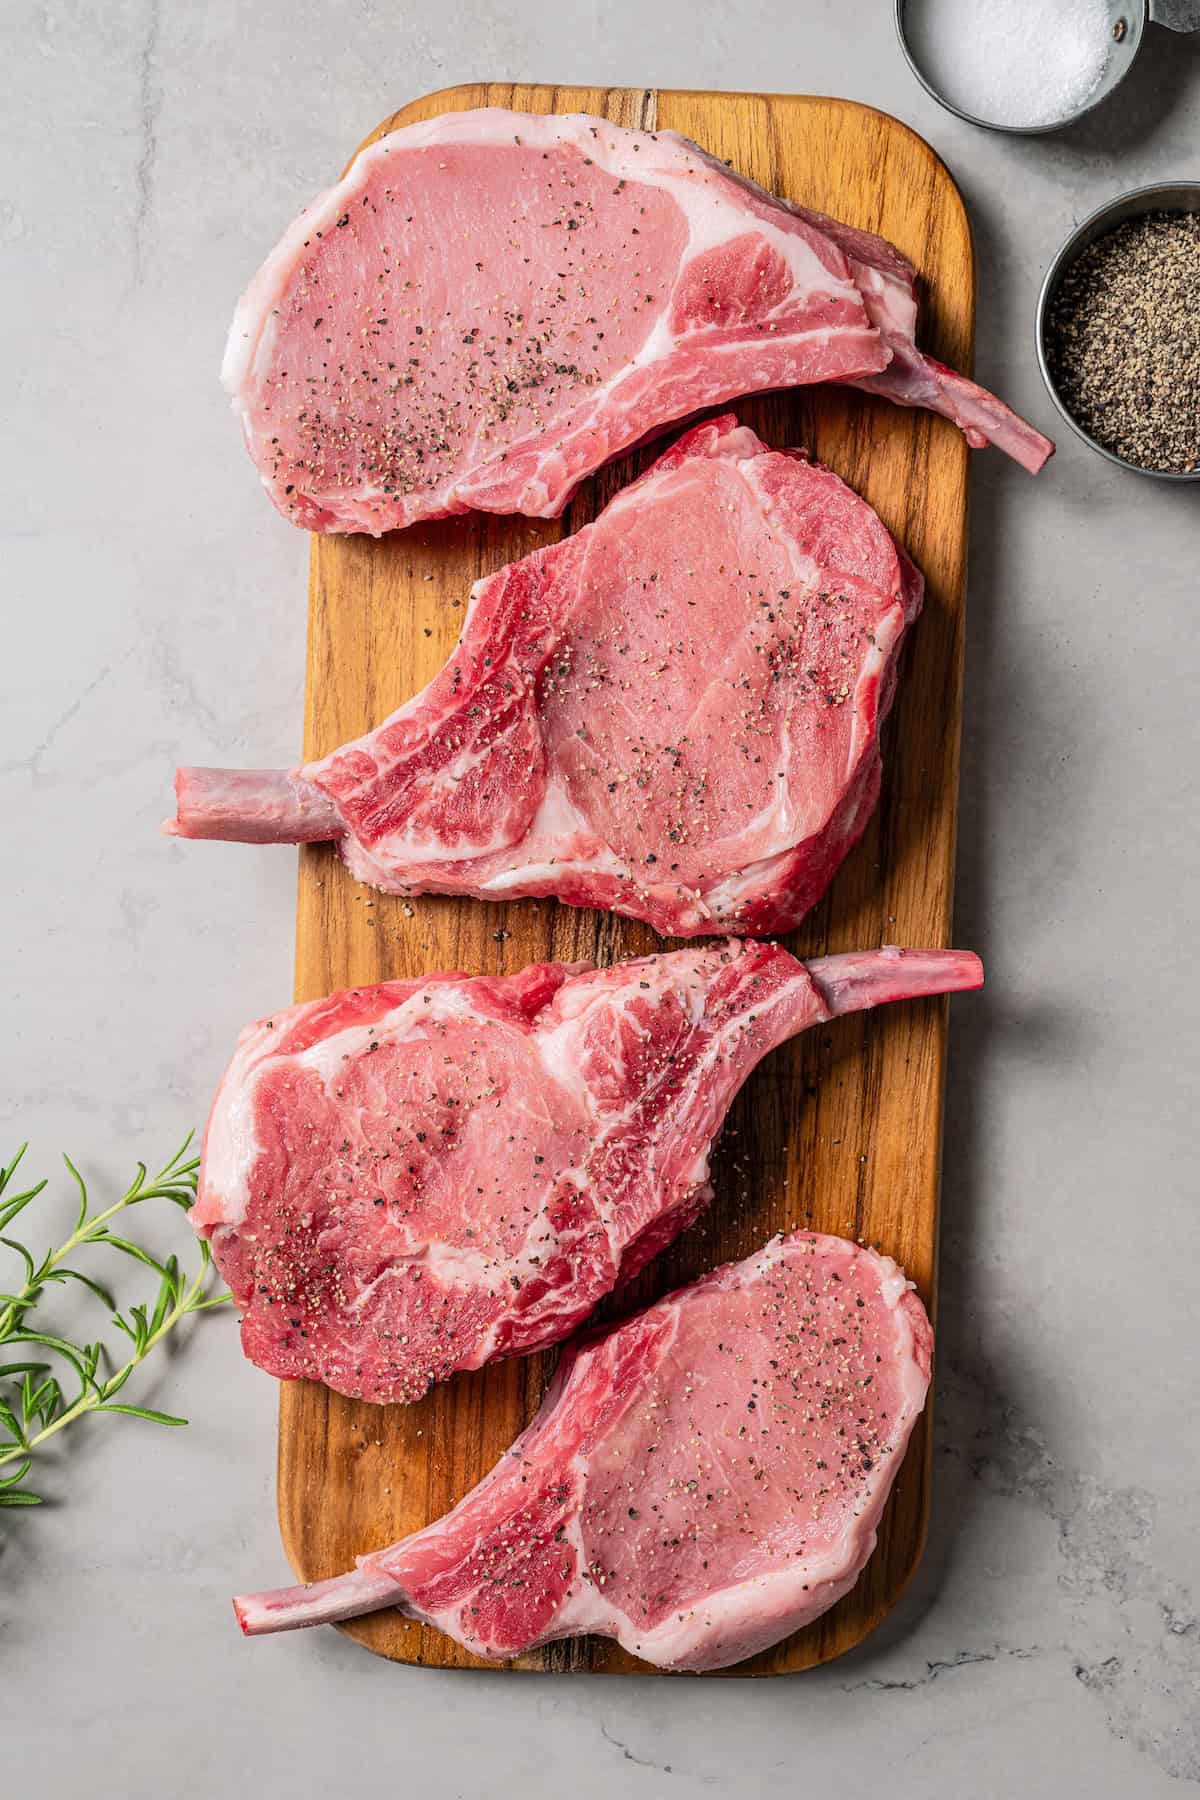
pixel 840 1130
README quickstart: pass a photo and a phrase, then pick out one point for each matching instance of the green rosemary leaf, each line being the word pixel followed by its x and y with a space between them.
pixel 43 1403
pixel 81 1214
pixel 16 1202
pixel 168 1296
pixel 19 1497
pixel 70 1352
pixel 7 1174
pixel 9 1209
pixel 134 1250
pixel 86 1281
pixel 22 1252
pixel 142 1412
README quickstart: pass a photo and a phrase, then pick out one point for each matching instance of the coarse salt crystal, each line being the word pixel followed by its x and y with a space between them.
pixel 1012 62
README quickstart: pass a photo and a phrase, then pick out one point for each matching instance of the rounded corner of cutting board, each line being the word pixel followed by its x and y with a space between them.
pixel 896 128
pixel 848 159
pixel 461 96
pixel 897 137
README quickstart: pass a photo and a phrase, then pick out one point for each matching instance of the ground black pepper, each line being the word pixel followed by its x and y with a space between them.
pixel 1123 341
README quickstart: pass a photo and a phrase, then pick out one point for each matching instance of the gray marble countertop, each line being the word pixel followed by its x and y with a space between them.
pixel 154 608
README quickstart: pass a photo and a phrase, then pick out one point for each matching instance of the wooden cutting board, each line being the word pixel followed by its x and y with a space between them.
pixel 841 1130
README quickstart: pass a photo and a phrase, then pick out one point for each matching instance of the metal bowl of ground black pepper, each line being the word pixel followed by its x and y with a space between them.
pixel 1118 331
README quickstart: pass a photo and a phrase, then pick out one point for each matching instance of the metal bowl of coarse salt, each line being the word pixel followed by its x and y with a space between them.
pixel 1029 66
pixel 1118 331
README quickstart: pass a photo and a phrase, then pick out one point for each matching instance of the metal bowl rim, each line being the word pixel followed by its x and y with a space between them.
pixel 1080 237
pixel 1140 6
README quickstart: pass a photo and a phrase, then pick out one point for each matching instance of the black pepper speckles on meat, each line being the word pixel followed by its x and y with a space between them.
pixel 392 403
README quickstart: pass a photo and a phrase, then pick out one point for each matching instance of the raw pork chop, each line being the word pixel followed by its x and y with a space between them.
pixel 406 1180
pixel 490 305
pixel 699 1482
pixel 673 714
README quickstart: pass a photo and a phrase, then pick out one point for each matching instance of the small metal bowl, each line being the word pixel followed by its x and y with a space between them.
pixel 1127 25
pixel 1167 196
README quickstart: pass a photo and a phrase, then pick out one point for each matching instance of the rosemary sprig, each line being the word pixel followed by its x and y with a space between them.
pixel 34 1404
